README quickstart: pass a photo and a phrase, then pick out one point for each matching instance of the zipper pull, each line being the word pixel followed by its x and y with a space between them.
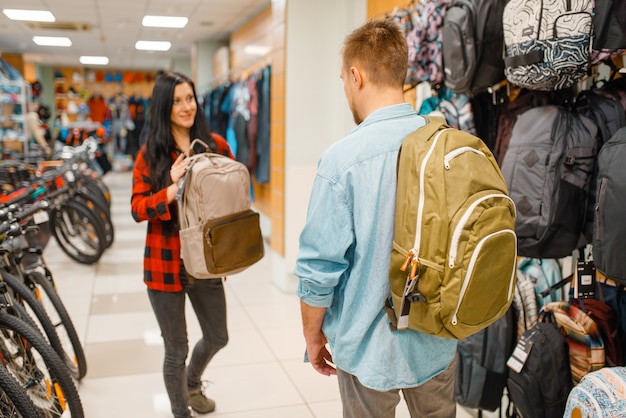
pixel 407 261
pixel 414 265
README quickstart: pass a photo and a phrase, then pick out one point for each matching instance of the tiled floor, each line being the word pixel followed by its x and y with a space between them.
pixel 259 374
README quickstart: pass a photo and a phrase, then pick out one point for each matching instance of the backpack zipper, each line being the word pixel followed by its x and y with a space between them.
pixel 470 270
pixel 420 203
pixel 453 154
pixel 456 235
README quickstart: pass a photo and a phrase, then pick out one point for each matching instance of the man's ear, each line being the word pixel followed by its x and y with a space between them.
pixel 356 77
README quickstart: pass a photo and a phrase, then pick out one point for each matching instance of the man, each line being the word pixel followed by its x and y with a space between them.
pixel 343 259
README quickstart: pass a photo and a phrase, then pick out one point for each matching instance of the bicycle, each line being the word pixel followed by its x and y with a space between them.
pixel 28 276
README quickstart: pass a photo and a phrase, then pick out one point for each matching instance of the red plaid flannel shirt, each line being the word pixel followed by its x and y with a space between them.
pixel 161 263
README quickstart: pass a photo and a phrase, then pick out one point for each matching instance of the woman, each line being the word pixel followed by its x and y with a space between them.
pixel 173 123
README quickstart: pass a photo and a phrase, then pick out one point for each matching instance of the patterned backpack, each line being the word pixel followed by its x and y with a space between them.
pixel 599 394
pixel 586 348
pixel 547 43
pixel 425 43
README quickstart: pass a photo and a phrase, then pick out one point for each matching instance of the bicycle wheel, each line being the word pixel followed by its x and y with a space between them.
pixel 14 400
pixel 78 232
pixel 38 369
pixel 102 214
pixel 29 308
pixel 95 183
pixel 71 351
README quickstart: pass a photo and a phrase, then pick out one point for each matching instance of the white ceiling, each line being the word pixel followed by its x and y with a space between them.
pixel 116 26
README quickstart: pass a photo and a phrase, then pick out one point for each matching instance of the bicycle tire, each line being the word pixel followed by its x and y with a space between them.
pixel 72 224
pixel 14 400
pixel 37 317
pixel 71 346
pixel 96 183
pixel 102 214
pixel 25 352
pixel 87 187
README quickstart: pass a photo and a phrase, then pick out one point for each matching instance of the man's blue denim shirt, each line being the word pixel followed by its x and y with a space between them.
pixel 343 259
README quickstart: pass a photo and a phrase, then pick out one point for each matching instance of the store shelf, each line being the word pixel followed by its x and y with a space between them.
pixel 14 100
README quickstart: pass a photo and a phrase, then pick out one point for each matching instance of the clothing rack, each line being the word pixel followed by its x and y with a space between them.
pixel 238 72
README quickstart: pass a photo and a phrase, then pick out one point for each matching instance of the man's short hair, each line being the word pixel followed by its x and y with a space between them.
pixel 380 48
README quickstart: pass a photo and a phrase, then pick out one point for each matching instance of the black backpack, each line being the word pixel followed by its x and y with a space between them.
pixel 609 227
pixel 605 109
pixel 481 371
pixel 471 45
pixel 540 386
pixel 608 34
pixel 548 167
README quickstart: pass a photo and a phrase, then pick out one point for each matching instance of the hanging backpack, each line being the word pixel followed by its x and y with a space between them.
pixel 605 109
pixel 599 394
pixel 454 245
pixel 525 304
pixel 547 44
pixel 548 168
pixel 424 41
pixel 455 108
pixel 610 211
pixel 609 40
pixel 481 370
pixel 606 319
pixel 472 31
pixel 586 348
pixel 525 100
pixel 539 376
pixel 543 273
pixel 220 234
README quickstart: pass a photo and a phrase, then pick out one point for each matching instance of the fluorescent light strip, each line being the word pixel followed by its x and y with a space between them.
pixel 93 60
pixel 52 41
pixel 153 45
pixel 164 21
pixel 29 15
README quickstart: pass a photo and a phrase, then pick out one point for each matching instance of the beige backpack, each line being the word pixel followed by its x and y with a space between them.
pixel 453 261
pixel 220 234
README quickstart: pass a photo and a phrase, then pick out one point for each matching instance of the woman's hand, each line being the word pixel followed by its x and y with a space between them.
pixel 176 173
pixel 178 168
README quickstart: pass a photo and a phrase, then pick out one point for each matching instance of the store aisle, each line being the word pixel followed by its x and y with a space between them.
pixel 260 373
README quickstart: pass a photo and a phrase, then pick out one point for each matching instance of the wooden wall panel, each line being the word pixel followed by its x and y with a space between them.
pixel 267 31
pixel 277 154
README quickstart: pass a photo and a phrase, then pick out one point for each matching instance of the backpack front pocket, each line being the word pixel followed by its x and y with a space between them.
pixel 482 236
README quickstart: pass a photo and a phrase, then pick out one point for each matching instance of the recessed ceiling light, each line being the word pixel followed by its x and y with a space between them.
pixel 52 40
pixel 94 60
pixel 165 21
pixel 153 45
pixel 30 15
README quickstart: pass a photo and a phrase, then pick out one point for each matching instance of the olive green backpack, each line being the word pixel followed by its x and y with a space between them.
pixel 453 261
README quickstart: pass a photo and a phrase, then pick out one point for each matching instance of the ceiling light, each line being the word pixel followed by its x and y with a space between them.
pixel 30 15
pixel 153 45
pixel 165 21
pixel 94 60
pixel 52 40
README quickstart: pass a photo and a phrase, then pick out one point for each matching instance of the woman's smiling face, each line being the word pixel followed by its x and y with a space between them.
pixel 183 106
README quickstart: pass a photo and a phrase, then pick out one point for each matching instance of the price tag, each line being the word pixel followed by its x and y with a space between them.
pixel 520 355
pixel 586 280
pixel 41 217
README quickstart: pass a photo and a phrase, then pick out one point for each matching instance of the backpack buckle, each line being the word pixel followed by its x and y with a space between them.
pixel 570 160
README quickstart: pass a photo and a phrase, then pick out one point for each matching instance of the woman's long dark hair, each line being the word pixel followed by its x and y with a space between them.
pixel 160 142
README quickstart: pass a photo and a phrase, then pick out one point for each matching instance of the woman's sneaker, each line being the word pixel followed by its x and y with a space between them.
pixel 200 403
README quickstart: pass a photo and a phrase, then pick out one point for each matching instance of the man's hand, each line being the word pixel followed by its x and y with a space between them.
pixel 316 350
pixel 319 356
